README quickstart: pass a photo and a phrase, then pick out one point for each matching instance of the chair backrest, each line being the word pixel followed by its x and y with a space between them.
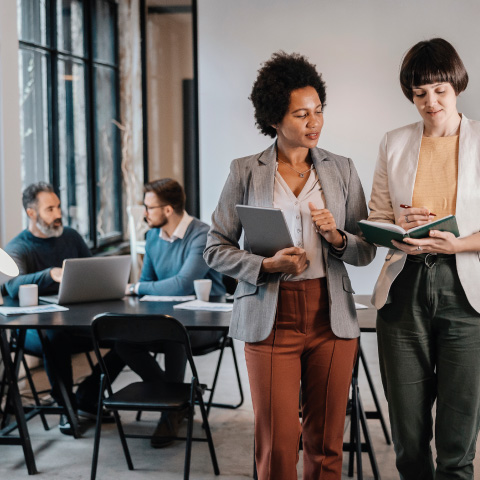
pixel 147 330
pixel 137 228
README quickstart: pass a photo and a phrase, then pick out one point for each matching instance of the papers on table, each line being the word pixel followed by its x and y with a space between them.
pixel 6 311
pixel 360 306
pixel 208 306
pixel 160 298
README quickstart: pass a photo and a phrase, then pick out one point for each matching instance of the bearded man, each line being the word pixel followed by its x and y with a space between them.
pixel 39 252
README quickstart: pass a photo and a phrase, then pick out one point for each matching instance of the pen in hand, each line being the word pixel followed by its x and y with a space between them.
pixel 409 206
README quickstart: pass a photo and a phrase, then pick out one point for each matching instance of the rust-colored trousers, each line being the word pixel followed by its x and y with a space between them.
pixel 301 349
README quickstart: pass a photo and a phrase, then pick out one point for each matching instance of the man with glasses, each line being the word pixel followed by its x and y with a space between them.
pixel 39 252
pixel 173 260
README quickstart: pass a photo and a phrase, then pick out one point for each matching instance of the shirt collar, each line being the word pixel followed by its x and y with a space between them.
pixel 180 231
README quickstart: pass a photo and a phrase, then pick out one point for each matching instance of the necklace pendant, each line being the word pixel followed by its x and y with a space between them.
pixel 302 175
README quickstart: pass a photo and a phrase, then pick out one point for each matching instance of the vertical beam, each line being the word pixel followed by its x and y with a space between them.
pixel 10 155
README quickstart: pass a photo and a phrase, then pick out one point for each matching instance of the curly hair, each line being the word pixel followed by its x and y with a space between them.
pixel 432 61
pixel 275 81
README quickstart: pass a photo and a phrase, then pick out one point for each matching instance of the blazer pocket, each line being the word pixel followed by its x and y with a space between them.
pixel 347 285
pixel 244 288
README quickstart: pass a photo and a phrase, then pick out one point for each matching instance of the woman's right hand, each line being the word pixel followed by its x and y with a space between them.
pixel 414 217
pixel 291 260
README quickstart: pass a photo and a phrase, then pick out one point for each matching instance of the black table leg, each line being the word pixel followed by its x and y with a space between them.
pixel 24 436
pixel 67 404
pixel 377 414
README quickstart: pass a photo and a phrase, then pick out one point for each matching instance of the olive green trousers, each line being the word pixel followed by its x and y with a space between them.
pixel 429 348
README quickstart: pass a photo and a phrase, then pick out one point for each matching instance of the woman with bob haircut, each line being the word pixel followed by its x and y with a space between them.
pixel 428 295
pixel 295 310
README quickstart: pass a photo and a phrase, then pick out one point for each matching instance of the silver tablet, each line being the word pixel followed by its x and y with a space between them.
pixel 266 230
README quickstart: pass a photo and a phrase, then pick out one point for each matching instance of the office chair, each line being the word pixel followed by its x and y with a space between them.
pixel 148 330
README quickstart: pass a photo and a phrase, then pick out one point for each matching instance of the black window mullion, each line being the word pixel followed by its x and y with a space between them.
pixel 53 96
pixel 90 116
pixel 118 164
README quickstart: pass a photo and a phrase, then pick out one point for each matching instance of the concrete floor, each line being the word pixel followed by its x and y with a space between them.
pixel 63 457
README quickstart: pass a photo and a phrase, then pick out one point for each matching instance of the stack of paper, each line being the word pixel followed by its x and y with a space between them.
pixel 208 306
pixel 160 298
pixel 26 310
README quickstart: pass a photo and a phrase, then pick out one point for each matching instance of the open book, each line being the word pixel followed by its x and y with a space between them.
pixel 383 233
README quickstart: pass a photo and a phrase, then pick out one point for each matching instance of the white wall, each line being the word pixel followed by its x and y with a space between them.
pixel 357 46
pixel 10 173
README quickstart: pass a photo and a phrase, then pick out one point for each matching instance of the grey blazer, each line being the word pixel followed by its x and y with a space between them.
pixel 251 182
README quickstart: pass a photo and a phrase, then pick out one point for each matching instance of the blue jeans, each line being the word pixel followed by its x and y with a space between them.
pixel 65 343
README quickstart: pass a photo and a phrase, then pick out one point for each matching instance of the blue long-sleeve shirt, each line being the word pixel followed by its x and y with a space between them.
pixel 169 268
pixel 35 257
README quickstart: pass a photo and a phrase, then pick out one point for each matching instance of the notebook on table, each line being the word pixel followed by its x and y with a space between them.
pixel 91 279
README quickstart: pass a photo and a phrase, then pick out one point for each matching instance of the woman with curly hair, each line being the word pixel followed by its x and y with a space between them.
pixel 295 310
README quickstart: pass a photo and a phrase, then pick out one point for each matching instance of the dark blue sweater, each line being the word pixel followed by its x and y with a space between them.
pixel 36 256
pixel 171 268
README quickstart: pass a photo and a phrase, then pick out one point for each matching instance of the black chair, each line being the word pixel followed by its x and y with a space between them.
pixel 221 344
pixel 148 330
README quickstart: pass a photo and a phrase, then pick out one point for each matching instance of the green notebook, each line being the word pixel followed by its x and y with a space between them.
pixel 383 233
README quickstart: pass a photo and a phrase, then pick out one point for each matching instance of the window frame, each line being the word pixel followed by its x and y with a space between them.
pixel 90 63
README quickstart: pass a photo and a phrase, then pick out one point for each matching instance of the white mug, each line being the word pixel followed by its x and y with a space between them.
pixel 28 295
pixel 202 289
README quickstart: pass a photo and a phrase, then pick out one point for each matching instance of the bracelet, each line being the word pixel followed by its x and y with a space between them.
pixel 344 246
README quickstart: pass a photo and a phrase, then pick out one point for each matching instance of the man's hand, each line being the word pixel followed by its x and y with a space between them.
pixel 291 260
pixel 127 290
pixel 325 225
pixel 56 273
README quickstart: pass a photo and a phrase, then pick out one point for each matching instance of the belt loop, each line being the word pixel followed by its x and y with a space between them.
pixel 430 259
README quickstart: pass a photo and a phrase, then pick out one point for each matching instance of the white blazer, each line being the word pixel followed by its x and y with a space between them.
pixel 393 184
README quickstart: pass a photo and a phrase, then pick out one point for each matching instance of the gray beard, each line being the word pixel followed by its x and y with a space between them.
pixel 49 231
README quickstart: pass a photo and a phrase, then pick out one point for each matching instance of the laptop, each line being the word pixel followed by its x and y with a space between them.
pixel 91 279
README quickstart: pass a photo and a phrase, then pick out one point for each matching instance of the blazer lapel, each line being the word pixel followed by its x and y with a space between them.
pixel 264 177
pixel 467 178
pixel 327 175
pixel 404 169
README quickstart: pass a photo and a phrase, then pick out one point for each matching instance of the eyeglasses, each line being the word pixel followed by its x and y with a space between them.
pixel 154 207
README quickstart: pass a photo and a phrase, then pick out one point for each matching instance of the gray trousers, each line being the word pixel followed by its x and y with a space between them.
pixel 429 348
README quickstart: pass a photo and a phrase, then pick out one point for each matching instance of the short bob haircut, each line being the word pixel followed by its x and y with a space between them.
pixel 169 192
pixel 275 81
pixel 432 61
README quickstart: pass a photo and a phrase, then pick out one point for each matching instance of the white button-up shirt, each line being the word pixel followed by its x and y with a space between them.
pixel 179 232
pixel 299 221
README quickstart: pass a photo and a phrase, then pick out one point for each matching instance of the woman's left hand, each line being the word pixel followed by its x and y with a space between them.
pixel 437 242
pixel 325 225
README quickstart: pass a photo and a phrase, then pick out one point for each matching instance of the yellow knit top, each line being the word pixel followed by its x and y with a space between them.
pixel 437 173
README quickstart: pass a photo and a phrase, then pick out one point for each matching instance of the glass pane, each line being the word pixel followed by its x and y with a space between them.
pixel 72 145
pixel 109 184
pixel 70 26
pixel 33 116
pixel 32 21
pixel 104 32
